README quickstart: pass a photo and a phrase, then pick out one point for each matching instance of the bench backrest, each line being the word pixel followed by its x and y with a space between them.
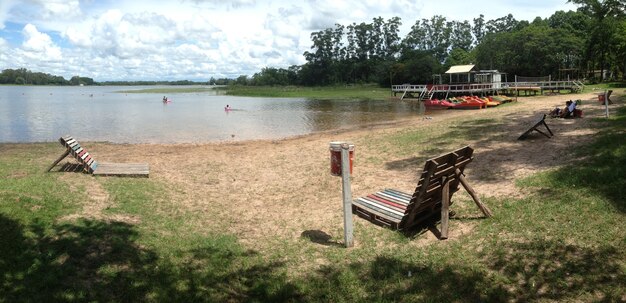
pixel 78 152
pixel 427 196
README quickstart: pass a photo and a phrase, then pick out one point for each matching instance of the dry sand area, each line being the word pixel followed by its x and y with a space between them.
pixel 266 192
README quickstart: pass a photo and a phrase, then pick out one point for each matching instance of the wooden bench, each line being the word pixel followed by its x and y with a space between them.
pixel 541 120
pixel 91 166
pixel 438 181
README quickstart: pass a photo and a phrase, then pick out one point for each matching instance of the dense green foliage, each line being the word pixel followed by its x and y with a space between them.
pixel 23 76
pixel 589 43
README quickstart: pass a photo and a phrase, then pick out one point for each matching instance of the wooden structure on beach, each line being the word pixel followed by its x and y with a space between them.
pixel 464 80
pixel 539 121
pixel 438 181
pixel 428 91
pixel 89 165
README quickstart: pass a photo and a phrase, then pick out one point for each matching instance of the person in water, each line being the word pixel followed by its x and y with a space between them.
pixel 227 107
pixel 164 99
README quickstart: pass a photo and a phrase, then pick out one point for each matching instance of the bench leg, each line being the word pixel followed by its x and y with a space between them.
pixel 445 209
pixel 486 211
pixel 546 125
pixel 537 130
pixel 67 152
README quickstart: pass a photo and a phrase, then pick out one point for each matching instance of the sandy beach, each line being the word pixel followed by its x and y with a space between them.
pixel 280 190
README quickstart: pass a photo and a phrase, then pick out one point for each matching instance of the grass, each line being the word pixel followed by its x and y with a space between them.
pixel 564 241
pixel 169 90
pixel 363 92
pixel 604 86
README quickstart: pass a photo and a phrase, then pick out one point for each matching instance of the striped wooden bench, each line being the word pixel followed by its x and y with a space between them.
pixel 438 181
pixel 91 166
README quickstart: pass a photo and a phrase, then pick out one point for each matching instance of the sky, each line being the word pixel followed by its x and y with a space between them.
pixel 198 39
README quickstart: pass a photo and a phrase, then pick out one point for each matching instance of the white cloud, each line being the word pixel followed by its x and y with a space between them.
pixel 38 45
pixel 60 9
pixel 5 8
pixel 145 39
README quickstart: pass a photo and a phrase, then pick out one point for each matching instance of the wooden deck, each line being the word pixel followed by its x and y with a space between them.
pixel 445 90
pixel 123 170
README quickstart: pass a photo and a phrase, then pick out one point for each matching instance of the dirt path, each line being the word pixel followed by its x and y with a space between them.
pixel 265 191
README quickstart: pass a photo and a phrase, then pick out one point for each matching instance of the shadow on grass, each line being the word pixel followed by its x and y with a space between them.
pixel 516 273
pixel 319 237
pixel 101 261
pixel 495 144
pixel 604 172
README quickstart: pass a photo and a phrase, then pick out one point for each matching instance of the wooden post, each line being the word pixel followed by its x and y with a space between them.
pixel 472 193
pixel 67 152
pixel 347 195
pixel 445 208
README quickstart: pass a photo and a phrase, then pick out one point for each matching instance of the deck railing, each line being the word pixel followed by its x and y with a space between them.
pixel 482 87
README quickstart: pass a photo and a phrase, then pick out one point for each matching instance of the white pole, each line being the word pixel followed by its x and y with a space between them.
pixel 347 195
pixel 606 103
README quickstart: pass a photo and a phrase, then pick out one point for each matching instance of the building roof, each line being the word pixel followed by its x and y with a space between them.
pixel 458 69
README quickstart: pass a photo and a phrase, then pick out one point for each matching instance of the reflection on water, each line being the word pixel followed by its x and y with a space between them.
pixel 34 114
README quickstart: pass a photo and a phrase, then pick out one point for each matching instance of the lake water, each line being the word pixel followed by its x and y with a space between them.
pixel 44 113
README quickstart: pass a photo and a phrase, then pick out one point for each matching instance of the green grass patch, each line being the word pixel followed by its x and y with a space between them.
pixel 604 86
pixel 564 241
pixel 362 92
pixel 169 90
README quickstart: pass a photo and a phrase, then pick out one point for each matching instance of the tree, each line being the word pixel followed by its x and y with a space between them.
pixel 605 16
pixel 391 38
pixel 458 56
pixel 479 29
pixel 502 24
pixel 431 35
pixel 75 80
pixel 461 35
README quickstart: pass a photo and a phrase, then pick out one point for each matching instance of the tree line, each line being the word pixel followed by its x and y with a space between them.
pixel 588 43
pixel 24 76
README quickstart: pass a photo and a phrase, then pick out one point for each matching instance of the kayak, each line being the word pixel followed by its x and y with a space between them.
pixel 442 104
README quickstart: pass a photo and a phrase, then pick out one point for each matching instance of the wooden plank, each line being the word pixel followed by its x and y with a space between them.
pixel 387 202
pixel 366 203
pixel 486 211
pixel 400 198
pixel 121 169
pixel 386 209
pixel 445 209
pixel 368 207
pixel 375 218
pixel 67 152
pixel 399 193
pixel 384 195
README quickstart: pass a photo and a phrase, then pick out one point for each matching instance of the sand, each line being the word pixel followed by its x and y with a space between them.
pixel 280 190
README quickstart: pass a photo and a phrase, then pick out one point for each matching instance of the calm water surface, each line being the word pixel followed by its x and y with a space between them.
pixel 42 113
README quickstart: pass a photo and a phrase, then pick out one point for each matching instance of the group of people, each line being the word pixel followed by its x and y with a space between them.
pixel 569 111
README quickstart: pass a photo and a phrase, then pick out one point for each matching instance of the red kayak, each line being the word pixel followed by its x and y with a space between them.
pixel 442 104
